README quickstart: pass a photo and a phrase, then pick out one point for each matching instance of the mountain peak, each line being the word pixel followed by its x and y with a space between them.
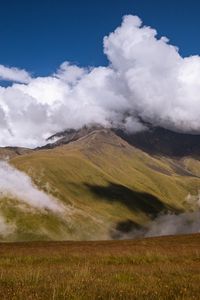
pixel 153 140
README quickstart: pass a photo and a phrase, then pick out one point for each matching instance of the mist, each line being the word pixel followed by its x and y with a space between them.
pixel 16 185
pixel 146 79
pixel 183 223
pixel 164 224
pixel 168 223
pixel 5 227
pixel 174 224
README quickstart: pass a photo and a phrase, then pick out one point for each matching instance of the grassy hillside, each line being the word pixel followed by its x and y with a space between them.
pixel 153 268
pixel 106 184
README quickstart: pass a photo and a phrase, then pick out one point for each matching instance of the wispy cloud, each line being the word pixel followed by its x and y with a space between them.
pixel 14 74
pixel 17 185
pixel 6 228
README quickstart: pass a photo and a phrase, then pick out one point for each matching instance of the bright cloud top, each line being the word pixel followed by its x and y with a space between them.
pixel 146 79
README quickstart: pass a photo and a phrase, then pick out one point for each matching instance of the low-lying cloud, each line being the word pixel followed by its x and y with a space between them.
pixel 16 185
pixel 174 224
pixel 167 224
pixel 146 79
pixel 6 228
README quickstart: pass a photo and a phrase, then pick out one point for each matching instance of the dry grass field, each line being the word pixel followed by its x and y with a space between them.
pixel 153 268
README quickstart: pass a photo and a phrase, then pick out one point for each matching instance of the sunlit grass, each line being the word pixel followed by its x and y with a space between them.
pixel 156 268
pixel 68 172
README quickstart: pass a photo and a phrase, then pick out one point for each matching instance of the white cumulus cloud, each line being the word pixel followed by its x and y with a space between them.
pixel 14 74
pixel 146 79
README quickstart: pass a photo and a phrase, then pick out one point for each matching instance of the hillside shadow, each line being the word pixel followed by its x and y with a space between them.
pixel 164 142
pixel 122 229
pixel 134 200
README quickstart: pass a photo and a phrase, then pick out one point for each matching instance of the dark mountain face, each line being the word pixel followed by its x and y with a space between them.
pixel 160 141
pixel 155 141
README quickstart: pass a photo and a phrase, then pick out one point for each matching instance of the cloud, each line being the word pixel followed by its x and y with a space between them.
pixel 146 79
pixel 70 73
pixel 5 227
pixel 17 185
pixel 161 86
pixel 14 74
pixel 175 224
pixel 166 224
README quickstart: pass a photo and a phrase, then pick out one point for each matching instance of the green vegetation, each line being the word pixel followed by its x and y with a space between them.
pixel 106 182
pixel 153 268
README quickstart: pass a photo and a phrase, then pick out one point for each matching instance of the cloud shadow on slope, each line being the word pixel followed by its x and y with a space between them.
pixel 136 201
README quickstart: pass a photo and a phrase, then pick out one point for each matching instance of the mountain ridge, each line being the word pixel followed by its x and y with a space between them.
pixel 109 187
pixel 153 140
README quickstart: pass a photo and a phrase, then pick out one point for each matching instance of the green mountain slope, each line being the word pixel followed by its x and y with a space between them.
pixel 106 185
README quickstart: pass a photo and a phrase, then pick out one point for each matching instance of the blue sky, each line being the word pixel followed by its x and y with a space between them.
pixel 40 35
pixel 141 77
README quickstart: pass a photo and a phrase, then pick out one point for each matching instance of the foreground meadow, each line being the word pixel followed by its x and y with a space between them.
pixel 153 268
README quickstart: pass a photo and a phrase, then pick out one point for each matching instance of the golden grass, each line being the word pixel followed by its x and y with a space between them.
pixel 96 160
pixel 99 159
pixel 153 268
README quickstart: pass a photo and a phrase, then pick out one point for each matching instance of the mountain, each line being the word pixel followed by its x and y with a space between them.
pixel 155 140
pixel 110 183
pixel 160 141
pixel 70 135
pixel 10 152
